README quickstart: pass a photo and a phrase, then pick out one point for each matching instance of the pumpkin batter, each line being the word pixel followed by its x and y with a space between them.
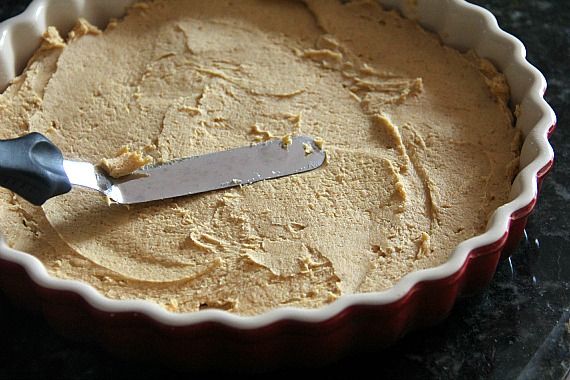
pixel 420 145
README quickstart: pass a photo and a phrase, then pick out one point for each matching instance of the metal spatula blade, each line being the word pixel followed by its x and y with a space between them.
pixel 38 171
pixel 198 174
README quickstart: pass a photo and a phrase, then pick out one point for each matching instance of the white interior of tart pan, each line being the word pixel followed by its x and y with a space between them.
pixel 458 23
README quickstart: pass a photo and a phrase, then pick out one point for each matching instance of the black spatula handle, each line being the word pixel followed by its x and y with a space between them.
pixel 32 167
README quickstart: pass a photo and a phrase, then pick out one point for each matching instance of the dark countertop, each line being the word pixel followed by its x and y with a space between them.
pixel 516 329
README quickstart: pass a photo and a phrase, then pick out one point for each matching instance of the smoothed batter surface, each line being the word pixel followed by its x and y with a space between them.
pixel 420 145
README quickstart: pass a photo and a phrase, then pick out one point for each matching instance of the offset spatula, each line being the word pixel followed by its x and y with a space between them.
pixel 34 168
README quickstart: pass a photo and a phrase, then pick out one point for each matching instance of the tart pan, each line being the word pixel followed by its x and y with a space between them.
pixel 291 336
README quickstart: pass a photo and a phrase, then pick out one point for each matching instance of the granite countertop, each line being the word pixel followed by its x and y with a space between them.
pixel 517 329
